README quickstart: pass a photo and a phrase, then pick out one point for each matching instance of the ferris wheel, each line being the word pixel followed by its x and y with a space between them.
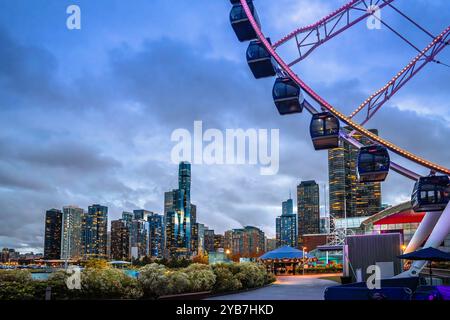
pixel 431 194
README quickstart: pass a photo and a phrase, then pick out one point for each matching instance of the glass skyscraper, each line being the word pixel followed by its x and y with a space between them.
pixel 184 187
pixel 94 231
pixel 177 210
pixel 156 235
pixel 347 195
pixel 308 209
pixel 71 232
pixel 286 225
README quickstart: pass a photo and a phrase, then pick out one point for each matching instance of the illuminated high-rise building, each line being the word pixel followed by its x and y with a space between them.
pixel 52 238
pixel 184 187
pixel 209 240
pixel 219 242
pixel 347 195
pixel 248 242
pixel 94 232
pixel 156 235
pixel 177 211
pixel 71 232
pixel 139 236
pixel 308 209
pixel 193 214
pixel 142 214
pixel 286 225
pixel 120 240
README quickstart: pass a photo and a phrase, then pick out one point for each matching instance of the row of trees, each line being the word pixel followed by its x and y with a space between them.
pixel 155 280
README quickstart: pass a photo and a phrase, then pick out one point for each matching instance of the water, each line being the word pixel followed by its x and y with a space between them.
pixel 41 276
pixel 131 273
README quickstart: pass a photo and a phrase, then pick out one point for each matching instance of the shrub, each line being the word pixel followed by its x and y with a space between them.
pixel 60 291
pixel 179 282
pixel 251 275
pixel 269 278
pixel 200 259
pixel 225 279
pixel 96 264
pixel 201 277
pixel 16 285
pixel 108 284
pixel 131 288
pixel 154 280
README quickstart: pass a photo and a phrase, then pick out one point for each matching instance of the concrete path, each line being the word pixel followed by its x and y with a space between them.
pixel 307 287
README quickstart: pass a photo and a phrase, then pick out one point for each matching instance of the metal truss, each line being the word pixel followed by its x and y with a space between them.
pixel 379 98
pixel 310 37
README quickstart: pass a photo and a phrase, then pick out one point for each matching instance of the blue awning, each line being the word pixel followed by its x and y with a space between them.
pixel 428 254
pixel 285 252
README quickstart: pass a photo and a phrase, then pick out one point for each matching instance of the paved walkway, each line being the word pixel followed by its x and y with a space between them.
pixel 307 287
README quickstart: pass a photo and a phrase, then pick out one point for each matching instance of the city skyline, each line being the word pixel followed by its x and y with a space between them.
pixel 66 142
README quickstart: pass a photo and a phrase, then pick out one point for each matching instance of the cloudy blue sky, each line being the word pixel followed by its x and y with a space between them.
pixel 86 115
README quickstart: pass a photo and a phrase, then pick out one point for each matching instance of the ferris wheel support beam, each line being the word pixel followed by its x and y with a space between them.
pixel 437 236
pixel 403 153
pixel 379 98
pixel 310 37
pixel 425 228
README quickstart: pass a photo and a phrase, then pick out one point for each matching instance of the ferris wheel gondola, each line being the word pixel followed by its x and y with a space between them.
pixel 431 194
pixel 373 164
pixel 287 96
pixel 260 61
pixel 240 23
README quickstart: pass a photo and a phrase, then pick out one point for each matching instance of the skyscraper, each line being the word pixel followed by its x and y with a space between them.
pixel 177 210
pixel 120 240
pixel 346 193
pixel 52 239
pixel 308 209
pixel 142 214
pixel 71 232
pixel 94 231
pixel 286 225
pixel 139 236
pixel 184 187
pixel 193 214
pixel 209 240
pixel 219 242
pixel 287 207
pixel 156 235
